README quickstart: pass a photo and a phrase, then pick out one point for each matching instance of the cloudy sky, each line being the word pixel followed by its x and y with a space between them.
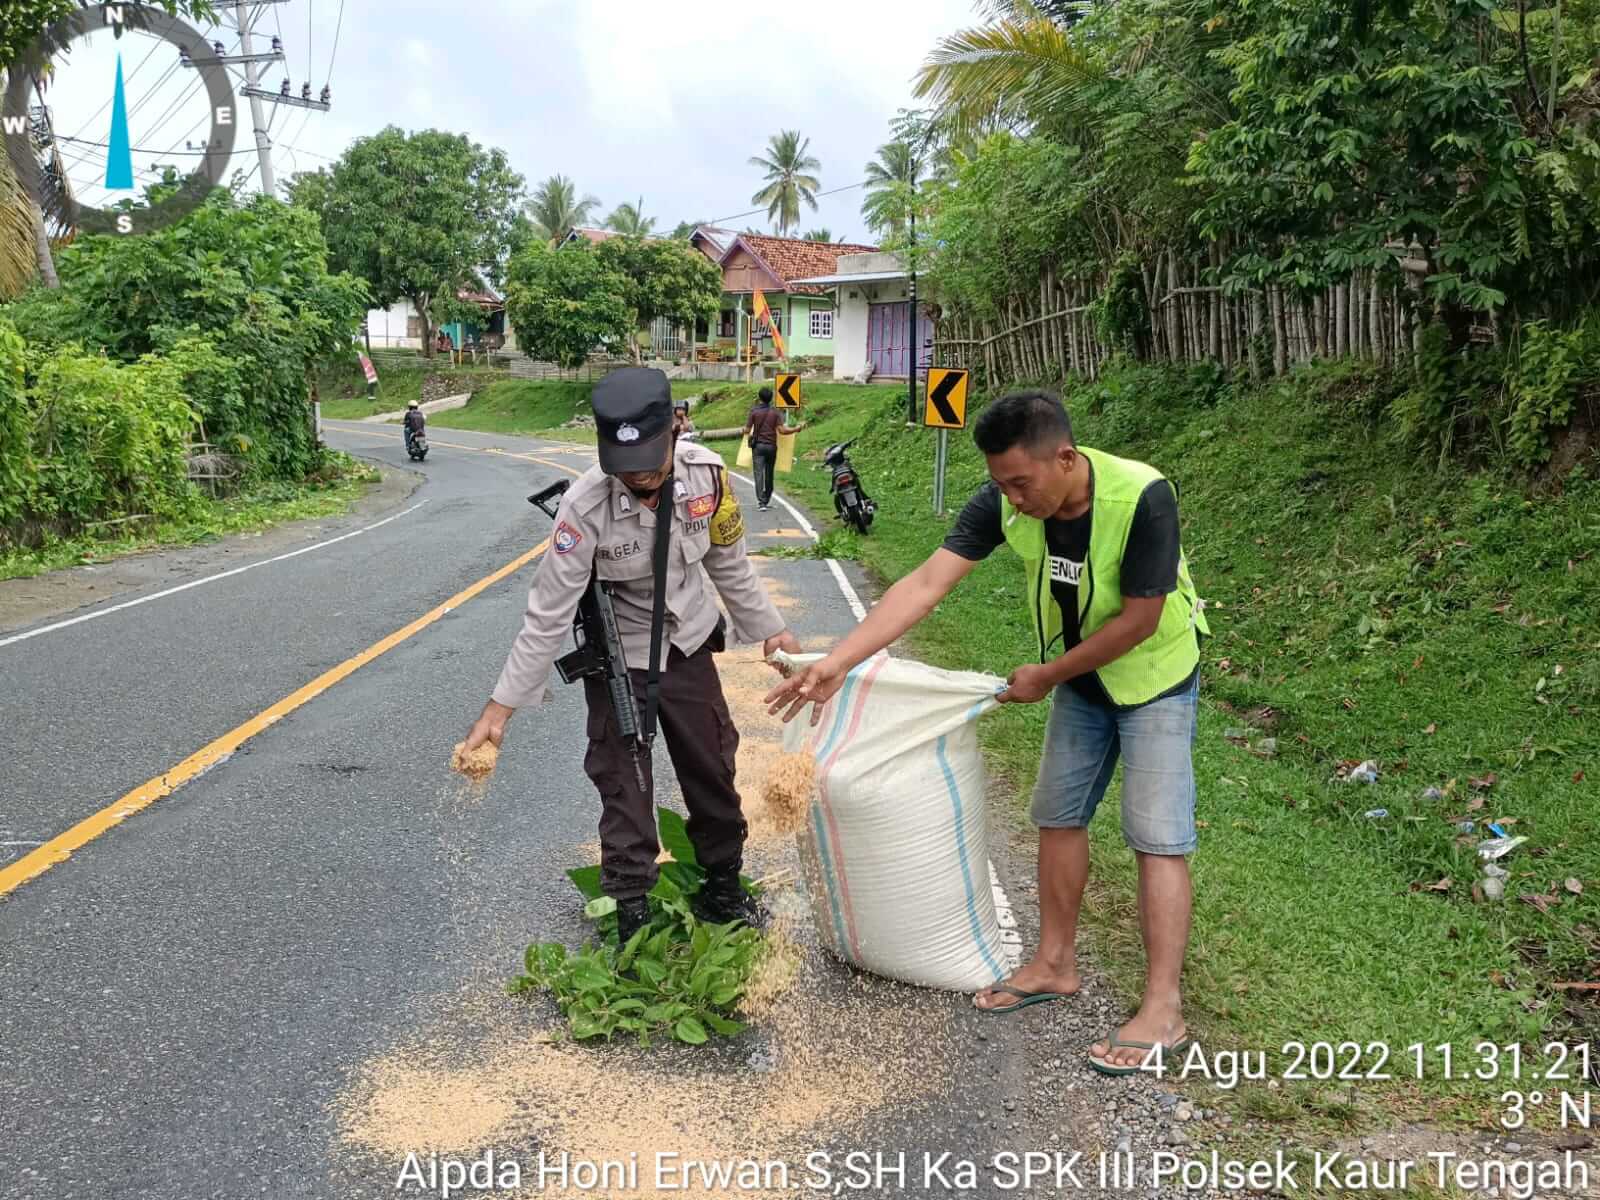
pixel 667 99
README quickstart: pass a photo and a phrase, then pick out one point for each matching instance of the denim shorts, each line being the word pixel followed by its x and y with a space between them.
pixel 1155 743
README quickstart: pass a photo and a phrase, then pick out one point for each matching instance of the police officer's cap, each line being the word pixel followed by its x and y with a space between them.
pixel 633 417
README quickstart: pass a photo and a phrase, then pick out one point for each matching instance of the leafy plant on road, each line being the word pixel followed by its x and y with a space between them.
pixel 677 977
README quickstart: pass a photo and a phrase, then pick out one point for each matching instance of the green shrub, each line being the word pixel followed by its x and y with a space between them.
pixel 1553 368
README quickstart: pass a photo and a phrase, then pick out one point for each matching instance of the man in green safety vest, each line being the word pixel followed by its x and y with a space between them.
pixel 1116 624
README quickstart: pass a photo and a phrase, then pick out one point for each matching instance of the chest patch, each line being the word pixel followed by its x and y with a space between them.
pixel 1064 570
pixel 701 506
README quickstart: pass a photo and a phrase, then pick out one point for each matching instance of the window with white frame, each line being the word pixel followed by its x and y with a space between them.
pixel 822 322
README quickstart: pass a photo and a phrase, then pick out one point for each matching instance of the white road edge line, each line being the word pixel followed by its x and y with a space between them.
pixel 850 596
pixel 194 583
pixel 1010 939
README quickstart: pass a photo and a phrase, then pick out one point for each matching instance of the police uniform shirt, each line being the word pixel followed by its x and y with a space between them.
pixel 602 526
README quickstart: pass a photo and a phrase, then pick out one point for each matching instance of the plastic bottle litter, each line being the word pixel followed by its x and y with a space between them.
pixel 1267 747
pixel 1494 881
pixel 1367 772
pixel 1376 814
pixel 1498 847
pixel 1466 826
pixel 1433 793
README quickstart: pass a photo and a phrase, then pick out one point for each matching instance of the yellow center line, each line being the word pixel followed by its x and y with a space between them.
pixel 59 848
pixel 475 449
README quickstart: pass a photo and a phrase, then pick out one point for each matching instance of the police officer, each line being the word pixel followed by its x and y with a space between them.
pixel 607 524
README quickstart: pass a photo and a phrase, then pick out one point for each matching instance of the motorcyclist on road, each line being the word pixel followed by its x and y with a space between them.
pixel 414 422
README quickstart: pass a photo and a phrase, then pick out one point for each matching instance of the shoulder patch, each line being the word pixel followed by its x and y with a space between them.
pixel 695 452
pixel 588 490
pixel 727 526
pixel 566 537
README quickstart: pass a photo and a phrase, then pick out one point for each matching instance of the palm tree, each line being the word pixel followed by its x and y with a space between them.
pixel 555 209
pixel 788 183
pixel 18 235
pixel 1024 63
pixel 817 235
pixel 684 230
pixel 889 182
pixel 629 219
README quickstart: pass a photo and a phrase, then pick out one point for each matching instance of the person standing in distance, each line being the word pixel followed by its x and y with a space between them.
pixel 762 429
pixel 607 525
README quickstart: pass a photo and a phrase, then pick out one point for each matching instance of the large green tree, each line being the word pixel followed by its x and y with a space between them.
pixel 789 182
pixel 239 294
pixel 663 279
pixel 556 211
pixel 417 215
pixel 564 303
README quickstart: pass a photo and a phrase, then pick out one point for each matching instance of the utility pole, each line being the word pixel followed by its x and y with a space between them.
pixel 244 15
pixel 911 360
pixel 263 145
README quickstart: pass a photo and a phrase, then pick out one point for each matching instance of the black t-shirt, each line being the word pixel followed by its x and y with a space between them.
pixel 1149 561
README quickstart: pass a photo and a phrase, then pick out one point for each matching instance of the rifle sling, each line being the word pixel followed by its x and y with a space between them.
pixel 663 539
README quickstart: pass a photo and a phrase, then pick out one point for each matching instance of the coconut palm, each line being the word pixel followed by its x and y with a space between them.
pixel 629 219
pixel 1022 64
pixel 555 209
pixel 889 182
pixel 788 180
pixel 19 230
pixel 817 235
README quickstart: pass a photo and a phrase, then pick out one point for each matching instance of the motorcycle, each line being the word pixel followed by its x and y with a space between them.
pixel 417 447
pixel 850 500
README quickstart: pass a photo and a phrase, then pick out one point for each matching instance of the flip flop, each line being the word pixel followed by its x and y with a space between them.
pixel 1168 1053
pixel 1024 999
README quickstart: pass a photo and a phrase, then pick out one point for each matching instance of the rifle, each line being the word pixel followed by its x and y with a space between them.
pixel 599 650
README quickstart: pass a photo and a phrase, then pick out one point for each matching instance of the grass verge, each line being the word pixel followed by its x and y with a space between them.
pixel 332 490
pixel 1364 606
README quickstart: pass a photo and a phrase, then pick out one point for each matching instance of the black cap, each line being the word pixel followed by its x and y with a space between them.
pixel 633 416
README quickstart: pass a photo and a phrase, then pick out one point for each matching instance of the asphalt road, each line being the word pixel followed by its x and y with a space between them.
pixel 283 977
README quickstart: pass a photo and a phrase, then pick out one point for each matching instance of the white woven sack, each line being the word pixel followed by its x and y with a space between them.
pixel 895 854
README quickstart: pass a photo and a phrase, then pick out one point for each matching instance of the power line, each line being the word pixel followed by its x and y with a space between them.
pixel 155 44
pixel 752 212
pixel 338 28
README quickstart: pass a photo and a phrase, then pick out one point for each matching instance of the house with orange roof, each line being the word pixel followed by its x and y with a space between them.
pixel 804 313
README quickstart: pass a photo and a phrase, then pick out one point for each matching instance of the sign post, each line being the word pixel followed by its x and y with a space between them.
pixel 944 410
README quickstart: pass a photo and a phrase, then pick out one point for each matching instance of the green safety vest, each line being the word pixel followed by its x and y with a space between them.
pixel 1169 655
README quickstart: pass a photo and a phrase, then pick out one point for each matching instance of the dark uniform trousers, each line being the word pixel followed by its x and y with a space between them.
pixel 702 742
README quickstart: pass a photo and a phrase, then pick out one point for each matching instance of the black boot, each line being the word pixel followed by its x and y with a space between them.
pixel 633 914
pixel 722 898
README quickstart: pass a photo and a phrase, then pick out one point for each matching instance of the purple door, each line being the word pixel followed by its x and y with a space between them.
pixel 889 337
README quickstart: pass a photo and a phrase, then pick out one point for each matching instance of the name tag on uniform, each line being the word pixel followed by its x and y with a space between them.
pixel 1064 570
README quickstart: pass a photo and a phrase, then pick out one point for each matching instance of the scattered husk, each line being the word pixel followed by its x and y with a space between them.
pixel 775 970
pixel 791 780
pixel 478 765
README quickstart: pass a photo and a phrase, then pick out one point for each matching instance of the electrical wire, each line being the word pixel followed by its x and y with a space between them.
pixel 156 44
pixel 338 28
pixel 752 212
